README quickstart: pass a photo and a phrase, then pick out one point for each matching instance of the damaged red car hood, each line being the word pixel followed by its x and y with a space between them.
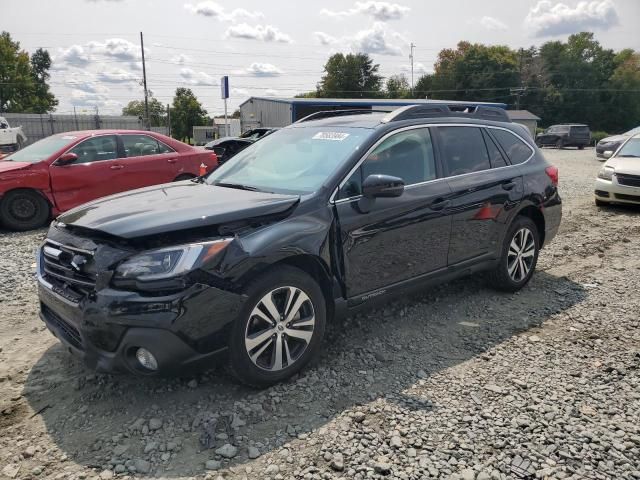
pixel 173 207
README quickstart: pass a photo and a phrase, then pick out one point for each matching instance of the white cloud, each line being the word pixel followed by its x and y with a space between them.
pixel 491 23
pixel 181 59
pixel 264 33
pixel 217 11
pixel 239 92
pixel 419 69
pixel 75 56
pixel 379 39
pixel 117 75
pixel 263 70
pixel 270 92
pixel 549 19
pixel 119 49
pixel 85 82
pixel 381 11
pixel 192 77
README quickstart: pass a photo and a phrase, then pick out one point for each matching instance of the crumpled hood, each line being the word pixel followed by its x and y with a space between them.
pixel 630 166
pixel 172 207
pixel 7 166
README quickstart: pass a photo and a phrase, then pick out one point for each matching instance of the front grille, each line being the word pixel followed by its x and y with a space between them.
pixel 628 180
pixel 68 268
pixel 68 331
pixel 628 198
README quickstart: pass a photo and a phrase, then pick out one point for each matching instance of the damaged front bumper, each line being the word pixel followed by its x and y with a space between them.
pixel 106 329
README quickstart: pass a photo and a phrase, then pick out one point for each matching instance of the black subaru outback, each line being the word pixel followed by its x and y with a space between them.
pixel 309 224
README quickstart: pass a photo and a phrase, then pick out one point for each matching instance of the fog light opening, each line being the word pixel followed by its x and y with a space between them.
pixel 146 359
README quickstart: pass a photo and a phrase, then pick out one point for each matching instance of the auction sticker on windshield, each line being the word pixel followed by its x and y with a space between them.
pixel 335 136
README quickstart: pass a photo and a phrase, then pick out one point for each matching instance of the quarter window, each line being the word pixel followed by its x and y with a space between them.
pixel 516 149
pixel 140 145
pixel 407 155
pixel 463 150
pixel 96 149
pixel 495 156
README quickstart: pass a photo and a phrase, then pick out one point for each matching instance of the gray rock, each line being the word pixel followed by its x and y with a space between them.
pixel 382 468
pixel 213 465
pixel 120 449
pixel 155 424
pixel 272 469
pixel 253 452
pixel 227 451
pixel 106 475
pixel 142 466
pixel 193 384
pixel 337 463
pixel 396 442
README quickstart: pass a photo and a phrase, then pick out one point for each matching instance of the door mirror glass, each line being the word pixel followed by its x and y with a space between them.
pixel 382 186
pixel 67 158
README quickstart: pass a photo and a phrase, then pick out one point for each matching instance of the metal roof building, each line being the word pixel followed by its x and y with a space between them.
pixel 280 112
pixel 526 118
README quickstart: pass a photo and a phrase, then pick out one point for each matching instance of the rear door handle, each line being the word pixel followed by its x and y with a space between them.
pixel 508 185
pixel 116 167
pixel 439 204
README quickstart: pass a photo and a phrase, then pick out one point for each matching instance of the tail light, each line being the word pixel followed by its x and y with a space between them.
pixel 553 174
pixel 214 157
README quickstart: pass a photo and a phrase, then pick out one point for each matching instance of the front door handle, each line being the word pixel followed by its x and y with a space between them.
pixel 508 185
pixel 172 160
pixel 116 167
pixel 439 204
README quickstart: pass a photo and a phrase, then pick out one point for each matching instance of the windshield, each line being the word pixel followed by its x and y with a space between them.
pixel 630 149
pixel 41 150
pixel 292 160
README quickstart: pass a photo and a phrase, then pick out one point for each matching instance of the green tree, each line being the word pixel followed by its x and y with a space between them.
pixel 157 111
pixel 186 113
pixel 350 76
pixel 397 86
pixel 23 80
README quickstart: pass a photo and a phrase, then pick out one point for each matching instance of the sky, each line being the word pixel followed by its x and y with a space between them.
pixel 276 48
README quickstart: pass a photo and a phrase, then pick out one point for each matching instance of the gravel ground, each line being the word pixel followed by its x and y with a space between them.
pixel 460 382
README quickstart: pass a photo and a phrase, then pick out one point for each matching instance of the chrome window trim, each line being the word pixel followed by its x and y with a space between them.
pixel 332 199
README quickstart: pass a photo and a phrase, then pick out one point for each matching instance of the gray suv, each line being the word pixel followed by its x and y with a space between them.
pixel 560 136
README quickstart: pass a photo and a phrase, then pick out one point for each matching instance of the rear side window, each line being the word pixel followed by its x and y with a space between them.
pixel 495 155
pixel 580 130
pixel 517 150
pixel 162 148
pixel 140 145
pixel 463 150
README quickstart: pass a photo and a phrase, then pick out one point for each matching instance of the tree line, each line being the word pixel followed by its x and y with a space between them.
pixel 574 81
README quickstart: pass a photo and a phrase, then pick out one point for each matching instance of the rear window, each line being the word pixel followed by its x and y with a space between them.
pixel 517 150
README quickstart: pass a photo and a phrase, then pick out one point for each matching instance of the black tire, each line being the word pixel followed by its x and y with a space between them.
pixel 560 143
pixel 581 147
pixel 601 203
pixel 184 176
pixel 501 278
pixel 273 285
pixel 24 210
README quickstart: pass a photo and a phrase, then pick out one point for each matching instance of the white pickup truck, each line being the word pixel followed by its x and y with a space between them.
pixel 11 139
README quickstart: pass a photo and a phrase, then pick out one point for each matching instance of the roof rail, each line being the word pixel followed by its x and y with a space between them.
pixel 337 113
pixel 443 110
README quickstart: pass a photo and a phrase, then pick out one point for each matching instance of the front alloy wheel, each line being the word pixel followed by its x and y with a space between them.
pixel 280 328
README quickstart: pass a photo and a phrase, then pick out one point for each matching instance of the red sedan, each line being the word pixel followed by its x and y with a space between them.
pixel 68 169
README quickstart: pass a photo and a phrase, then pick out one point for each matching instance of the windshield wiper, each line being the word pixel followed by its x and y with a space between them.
pixel 238 186
pixel 628 155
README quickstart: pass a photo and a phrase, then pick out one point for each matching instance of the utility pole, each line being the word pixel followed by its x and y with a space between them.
pixel 169 118
pixel 411 58
pixel 146 93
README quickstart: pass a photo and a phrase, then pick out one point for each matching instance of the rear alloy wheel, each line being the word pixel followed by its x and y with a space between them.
pixel 280 328
pixel 519 256
pixel 24 210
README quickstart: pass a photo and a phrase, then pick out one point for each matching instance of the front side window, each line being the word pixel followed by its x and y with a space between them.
pixel 139 145
pixel 517 150
pixel 407 155
pixel 292 160
pixel 463 150
pixel 630 149
pixel 96 149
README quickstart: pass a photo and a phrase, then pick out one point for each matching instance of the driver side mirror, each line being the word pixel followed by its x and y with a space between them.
pixel 67 159
pixel 608 154
pixel 382 186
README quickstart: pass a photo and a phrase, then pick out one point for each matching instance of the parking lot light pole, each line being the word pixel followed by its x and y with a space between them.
pixel 146 92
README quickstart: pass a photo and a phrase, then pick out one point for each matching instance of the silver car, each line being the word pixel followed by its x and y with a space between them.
pixel 611 144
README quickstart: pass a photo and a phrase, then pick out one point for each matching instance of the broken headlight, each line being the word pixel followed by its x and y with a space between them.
pixel 169 262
